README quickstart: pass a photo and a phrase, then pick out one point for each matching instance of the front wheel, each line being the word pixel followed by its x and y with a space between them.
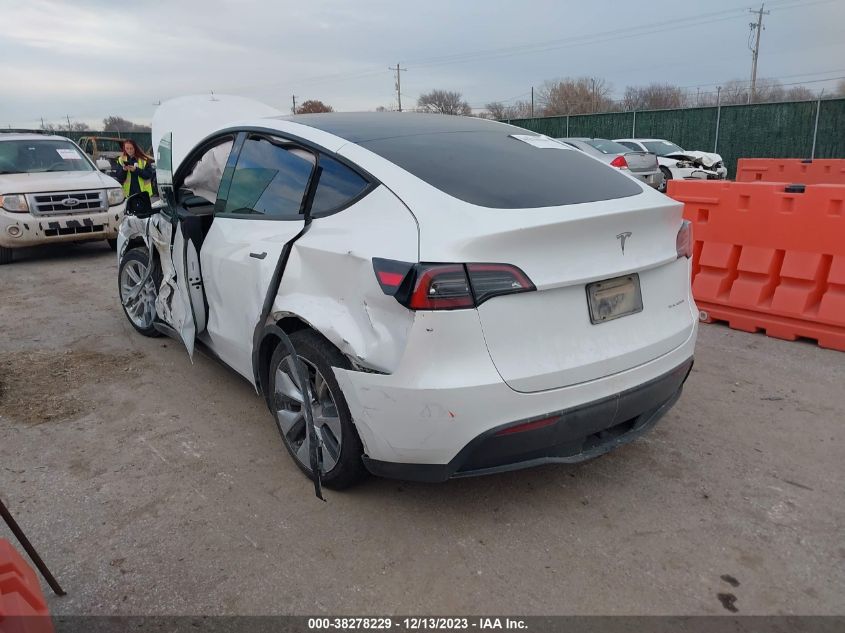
pixel 342 449
pixel 138 297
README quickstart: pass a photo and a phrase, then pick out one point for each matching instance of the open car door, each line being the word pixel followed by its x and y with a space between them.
pixel 173 304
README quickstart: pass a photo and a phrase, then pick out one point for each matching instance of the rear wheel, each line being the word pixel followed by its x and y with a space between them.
pixel 5 255
pixel 342 449
pixel 667 176
pixel 137 299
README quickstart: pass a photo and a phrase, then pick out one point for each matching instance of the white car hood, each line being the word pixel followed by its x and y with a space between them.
pixel 55 181
pixel 707 159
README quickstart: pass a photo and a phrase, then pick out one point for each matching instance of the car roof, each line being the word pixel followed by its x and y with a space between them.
pixel 31 136
pixel 361 127
pixel 639 140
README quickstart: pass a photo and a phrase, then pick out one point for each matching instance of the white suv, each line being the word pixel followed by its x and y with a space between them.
pixel 50 191
pixel 467 297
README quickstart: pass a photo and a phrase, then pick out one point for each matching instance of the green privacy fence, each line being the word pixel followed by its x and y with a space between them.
pixel 765 130
pixel 144 139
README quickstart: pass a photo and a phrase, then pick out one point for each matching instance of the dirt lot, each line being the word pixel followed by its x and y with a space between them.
pixel 155 486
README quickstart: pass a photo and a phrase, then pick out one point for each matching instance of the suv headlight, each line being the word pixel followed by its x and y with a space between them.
pixel 115 196
pixel 14 202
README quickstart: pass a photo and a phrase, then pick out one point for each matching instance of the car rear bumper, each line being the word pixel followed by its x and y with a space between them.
pixel 446 393
pixel 19 230
pixel 652 179
pixel 569 436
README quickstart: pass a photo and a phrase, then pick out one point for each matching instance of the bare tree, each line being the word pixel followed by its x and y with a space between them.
pixel 313 105
pixel 799 93
pixel 654 97
pixel 444 102
pixel 75 126
pixel 119 124
pixel 575 96
pixel 840 88
pixel 496 110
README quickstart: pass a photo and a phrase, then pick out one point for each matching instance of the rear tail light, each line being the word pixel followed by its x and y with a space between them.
pixel 619 162
pixel 448 286
pixel 683 243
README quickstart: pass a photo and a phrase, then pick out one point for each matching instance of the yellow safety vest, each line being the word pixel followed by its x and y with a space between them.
pixel 145 185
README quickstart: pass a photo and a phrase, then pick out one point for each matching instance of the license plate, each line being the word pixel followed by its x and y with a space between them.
pixel 614 298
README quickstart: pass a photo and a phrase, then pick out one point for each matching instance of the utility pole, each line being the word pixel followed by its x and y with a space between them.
pixel 756 51
pixel 532 102
pixel 293 109
pixel 398 83
pixel 68 122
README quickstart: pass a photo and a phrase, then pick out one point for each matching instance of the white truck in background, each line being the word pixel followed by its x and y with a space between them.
pixel 50 191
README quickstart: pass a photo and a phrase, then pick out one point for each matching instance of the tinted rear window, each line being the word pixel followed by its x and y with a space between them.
pixel 489 168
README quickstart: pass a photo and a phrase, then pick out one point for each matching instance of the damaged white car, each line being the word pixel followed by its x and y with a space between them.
pixel 466 298
pixel 678 163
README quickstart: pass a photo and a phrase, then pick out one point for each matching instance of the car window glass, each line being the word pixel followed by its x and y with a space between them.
pixel 607 147
pixel 662 148
pixel 42 155
pixel 631 145
pixel 337 186
pixel 268 180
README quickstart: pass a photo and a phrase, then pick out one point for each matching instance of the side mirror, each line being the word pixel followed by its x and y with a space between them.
pixel 139 205
pixel 103 164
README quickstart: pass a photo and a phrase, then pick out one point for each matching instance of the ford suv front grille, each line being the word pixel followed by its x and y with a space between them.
pixel 67 202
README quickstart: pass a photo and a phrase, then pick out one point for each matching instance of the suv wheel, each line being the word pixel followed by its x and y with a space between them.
pixel 342 449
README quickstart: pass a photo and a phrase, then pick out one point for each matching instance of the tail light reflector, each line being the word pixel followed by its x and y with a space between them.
pixel 529 426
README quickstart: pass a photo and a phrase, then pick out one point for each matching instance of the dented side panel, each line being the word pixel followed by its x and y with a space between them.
pixel 330 284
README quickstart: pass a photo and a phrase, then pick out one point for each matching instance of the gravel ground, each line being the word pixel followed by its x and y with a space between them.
pixel 152 485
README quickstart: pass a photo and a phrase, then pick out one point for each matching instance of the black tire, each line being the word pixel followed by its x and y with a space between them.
pixel 322 355
pixel 667 176
pixel 5 255
pixel 112 244
pixel 142 256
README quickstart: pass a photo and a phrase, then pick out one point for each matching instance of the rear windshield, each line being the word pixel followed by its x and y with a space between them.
pixel 32 156
pixel 607 147
pixel 490 168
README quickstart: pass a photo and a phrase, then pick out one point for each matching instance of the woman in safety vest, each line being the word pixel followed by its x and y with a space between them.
pixel 135 170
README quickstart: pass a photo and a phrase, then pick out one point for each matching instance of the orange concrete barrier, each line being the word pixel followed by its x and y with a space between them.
pixel 820 171
pixel 22 605
pixel 769 256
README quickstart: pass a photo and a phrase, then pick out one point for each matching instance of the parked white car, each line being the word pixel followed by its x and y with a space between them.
pixel 467 298
pixel 678 163
pixel 50 191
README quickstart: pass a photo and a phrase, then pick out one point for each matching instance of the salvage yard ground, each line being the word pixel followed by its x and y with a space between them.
pixel 154 486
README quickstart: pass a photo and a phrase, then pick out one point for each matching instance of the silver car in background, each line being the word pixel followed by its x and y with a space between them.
pixel 641 165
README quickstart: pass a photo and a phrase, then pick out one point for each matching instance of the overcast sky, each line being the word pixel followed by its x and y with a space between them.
pixel 89 59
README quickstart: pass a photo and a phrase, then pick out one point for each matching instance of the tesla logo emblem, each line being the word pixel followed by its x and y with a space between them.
pixel 623 236
pixel 70 202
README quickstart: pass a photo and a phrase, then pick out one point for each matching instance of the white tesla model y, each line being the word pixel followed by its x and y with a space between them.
pixel 466 297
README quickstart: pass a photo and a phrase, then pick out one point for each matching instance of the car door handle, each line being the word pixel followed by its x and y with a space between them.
pixel 258 255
